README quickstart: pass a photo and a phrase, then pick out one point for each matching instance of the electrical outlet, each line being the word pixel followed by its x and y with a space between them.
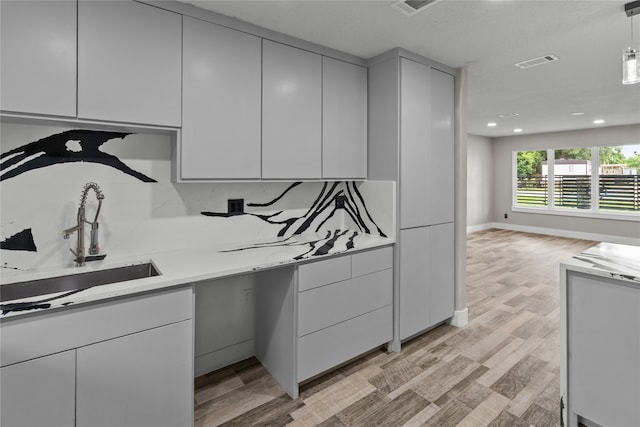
pixel 248 295
pixel 340 201
pixel 506 216
pixel 235 206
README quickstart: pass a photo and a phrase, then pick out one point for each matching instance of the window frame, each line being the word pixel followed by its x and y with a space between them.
pixel 551 209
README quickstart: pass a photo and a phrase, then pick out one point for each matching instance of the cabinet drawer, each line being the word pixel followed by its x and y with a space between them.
pixel 329 347
pixel 323 272
pixel 327 305
pixel 371 261
pixel 35 336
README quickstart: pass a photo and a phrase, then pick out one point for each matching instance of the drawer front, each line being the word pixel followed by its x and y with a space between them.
pixel 332 346
pixel 36 336
pixel 327 305
pixel 323 272
pixel 371 261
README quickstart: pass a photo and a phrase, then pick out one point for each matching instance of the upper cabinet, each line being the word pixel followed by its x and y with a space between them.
pixel 249 108
pixel 426 145
pixel 221 95
pixel 314 116
pixel 344 120
pixel 291 112
pixel 38 67
pixel 442 163
pixel 129 63
pixel 415 144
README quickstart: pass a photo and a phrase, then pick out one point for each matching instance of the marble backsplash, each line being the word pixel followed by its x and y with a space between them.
pixel 44 169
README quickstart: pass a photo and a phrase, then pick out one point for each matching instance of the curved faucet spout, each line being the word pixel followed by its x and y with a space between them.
pixel 94 247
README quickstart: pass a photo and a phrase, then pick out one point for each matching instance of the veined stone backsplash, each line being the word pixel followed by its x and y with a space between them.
pixel 45 169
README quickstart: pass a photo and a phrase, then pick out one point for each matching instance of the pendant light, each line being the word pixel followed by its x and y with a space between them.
pixel 631 56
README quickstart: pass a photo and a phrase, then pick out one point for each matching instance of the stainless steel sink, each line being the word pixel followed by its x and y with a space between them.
pixel 76 282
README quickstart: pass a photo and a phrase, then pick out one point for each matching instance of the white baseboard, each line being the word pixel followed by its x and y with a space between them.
pixel 568 233
pixel 224 357
pixel 460 318
pixel 479 227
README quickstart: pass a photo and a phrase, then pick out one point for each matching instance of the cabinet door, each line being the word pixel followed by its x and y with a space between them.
pixel 414 285
pixel 344 120
pixel 143 379
pixel 415 131
pixel 426 277
pixel 38 57
pixel 39 392
pixel 291 112
pixel 129 63
pixel 221 84
pixel 604 350
pixel 441 271
pixel 441 166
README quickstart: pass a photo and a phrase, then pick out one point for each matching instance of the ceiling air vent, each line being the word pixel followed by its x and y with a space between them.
pixel 411 7
pixel 536 61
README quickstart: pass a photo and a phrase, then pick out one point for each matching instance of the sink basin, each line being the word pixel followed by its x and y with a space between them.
pixel 76 282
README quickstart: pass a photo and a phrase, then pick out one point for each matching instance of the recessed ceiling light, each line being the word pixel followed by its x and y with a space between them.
pixel 517 130
pixel 577 114
pixel 598 122
pixel 492 124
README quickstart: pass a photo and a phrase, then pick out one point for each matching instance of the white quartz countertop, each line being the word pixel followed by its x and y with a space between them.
pixel 188 266
pixel 621 262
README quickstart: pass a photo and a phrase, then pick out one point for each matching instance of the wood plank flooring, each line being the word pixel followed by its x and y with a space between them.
pixel 502 369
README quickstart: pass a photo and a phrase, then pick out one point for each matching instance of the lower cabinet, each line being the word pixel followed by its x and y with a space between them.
pixel 39 392
pixel 122 363
pixel 143 379
pixel 601 361
pixel 426 277
pixel 327 348
pixel 314 317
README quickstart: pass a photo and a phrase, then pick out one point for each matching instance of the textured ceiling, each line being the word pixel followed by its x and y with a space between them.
pixel 487 37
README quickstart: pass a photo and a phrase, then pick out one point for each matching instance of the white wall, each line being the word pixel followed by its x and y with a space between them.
pixel 502 179
pixel 479 181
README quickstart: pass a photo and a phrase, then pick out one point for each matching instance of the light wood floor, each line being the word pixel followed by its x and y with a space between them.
pixel 502 369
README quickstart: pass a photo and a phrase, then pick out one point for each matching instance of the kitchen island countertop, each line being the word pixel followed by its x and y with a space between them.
pixel 611 260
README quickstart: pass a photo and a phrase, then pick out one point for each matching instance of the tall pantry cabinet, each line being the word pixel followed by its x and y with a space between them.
pixel 411 119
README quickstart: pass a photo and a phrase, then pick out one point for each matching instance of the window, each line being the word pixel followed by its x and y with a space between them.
pixel 572 178
pixel 531 179
pixel 592 180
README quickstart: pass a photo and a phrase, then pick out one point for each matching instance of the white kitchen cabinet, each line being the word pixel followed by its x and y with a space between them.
pixel 603 339
pixel 426 153
pixel 441 166
pixel 414 287
pixel 426 277
pixel 350 316
pixel 38 64
pixel 291 112
pixel 328 305
pixel 39 392
pixel 110 356
pixel 415 154
pixel 441 272
pixel 344 120
pixel 221 93
pixel 411 141
pixel 129 63
pixel 310 319
pixel 144 379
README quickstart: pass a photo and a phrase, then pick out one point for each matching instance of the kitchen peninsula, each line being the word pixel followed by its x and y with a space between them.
pixel 600 336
